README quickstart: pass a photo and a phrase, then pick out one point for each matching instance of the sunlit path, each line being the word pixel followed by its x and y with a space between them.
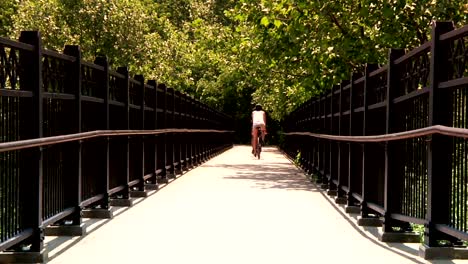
pixel 233 209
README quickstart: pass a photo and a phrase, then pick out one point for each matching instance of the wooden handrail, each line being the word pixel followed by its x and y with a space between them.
pixel 438 129
pixel 45 141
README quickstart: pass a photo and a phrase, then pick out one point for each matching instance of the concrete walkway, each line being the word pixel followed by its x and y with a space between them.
pixel 232 209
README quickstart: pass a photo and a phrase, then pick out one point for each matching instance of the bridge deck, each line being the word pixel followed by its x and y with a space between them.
pixel 232 209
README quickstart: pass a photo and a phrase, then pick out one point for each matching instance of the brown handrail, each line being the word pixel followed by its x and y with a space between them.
pixel 454 34
pixel 15 45
pixel 438 129
pixel 38 142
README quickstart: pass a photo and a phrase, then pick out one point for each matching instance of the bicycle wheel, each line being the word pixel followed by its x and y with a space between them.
pixel 259 148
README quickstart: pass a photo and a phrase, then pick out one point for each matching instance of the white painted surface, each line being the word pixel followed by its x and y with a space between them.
pixel 233 209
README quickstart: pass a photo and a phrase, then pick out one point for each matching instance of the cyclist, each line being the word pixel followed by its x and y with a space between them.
pixel 258 120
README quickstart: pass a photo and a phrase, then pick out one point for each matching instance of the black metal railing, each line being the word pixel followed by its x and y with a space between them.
pixel 74 134
pixel 393 140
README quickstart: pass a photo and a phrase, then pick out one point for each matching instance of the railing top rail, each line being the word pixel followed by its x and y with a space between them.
pixel 55 54
pixel 378 71
pixel 39 142
pixel 423 48
pixel 454 34
pixel 148 86
pixel 427 131
pixel 14 44
pixel 134 81
pixel 116 74
pixel 359 80
pixel 93 66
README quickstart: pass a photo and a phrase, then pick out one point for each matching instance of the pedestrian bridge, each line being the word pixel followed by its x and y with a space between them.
pixel 232 209
pixel 80 141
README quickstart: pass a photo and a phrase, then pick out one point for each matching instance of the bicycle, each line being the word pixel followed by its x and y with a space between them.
pixel 258 149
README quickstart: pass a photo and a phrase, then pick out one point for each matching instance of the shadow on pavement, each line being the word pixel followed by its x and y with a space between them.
pixel 372 234
pixel 267 176
pixel 284 175
pixel 56 245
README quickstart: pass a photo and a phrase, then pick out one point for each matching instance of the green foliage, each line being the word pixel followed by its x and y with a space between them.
pixel 45 16
pixel 297 159
pixel 303 47
pixel 176 11
pixel 7 9
pixel 233 54
pixel 114 28
pixel 419 229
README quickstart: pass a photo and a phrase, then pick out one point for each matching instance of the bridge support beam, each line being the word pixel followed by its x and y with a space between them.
pixel 65 230
pixel 151 187
pixel 350 209
pixel 178 169
pixel 163 180
pixel 399 237
pixel 427 252
pixel 121 202
pixel 98 213
pixel 139 194
pixel 340 200
pixel 24 257
pixel 369 221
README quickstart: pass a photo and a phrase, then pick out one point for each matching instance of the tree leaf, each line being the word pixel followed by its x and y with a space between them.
pixel 264 21
pixel 278 23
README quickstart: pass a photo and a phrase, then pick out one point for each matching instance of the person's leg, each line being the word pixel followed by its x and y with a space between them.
pixel 254 139
pixel 263 128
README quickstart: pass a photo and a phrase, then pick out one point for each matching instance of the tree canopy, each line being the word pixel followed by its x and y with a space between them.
pixel 232 54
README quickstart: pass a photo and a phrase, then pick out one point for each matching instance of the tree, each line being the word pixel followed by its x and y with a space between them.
pixel 116 28
pixel 277 53
pixel 7 9
pixel 303 47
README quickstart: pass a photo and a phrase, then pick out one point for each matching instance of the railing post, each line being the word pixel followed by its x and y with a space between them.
pixel 331 147
pixel 102 61
pixel 154 180
pixel 366 179
pixel 340 199
pixel 321 164
pixel 126 117
pixel 191 137
pixel 202 148
pixel 206 145
pixel 183 124
pixel 351 201
pixel 327 144
pixel 200 141
pixel 209 137
pixel 161 138
pixel 141 184
pixel 310 140
pixel 165 135
pixel 201 136
pixel 439 152
pixel 75 180
pixel 315 129
pixel 177 136
pixel 33 180
pixel 170 136
pixel 392 172
pixel 195 136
